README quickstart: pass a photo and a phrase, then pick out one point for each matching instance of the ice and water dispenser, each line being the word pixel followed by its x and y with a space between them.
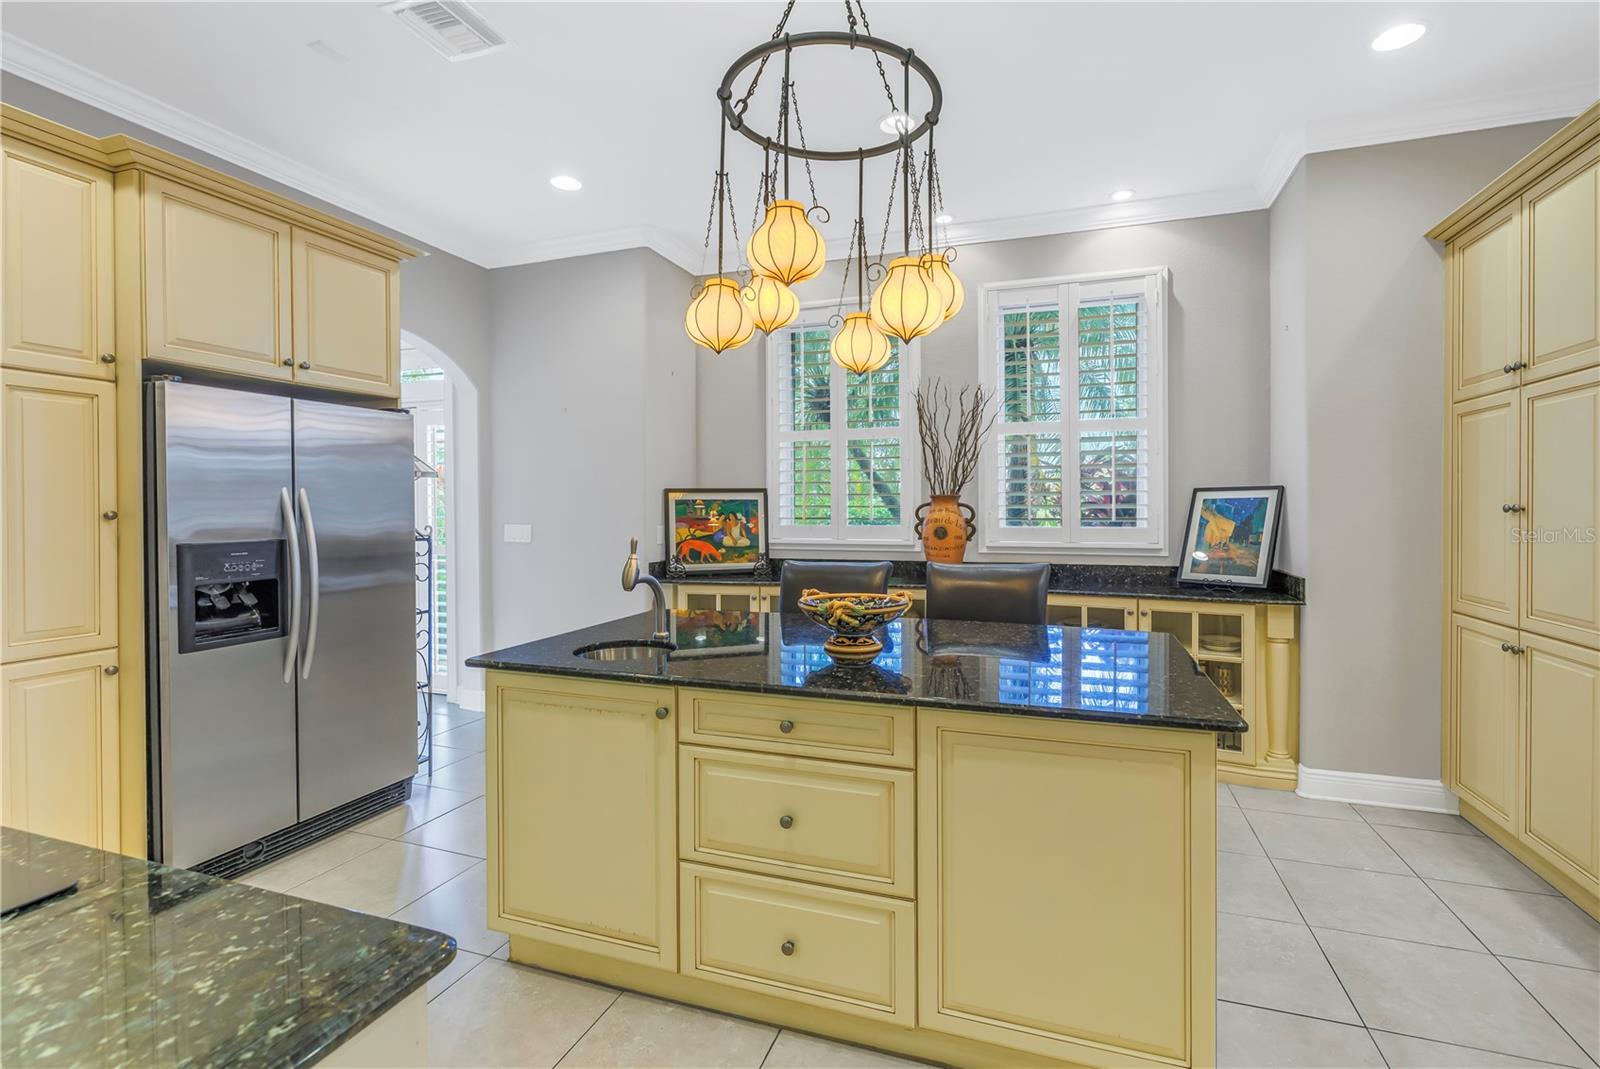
pixel 230 593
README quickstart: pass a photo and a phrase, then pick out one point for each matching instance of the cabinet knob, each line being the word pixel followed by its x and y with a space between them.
pixel 787 948
pixel 112 669
pixel 1511 508
pixel 109 514
pixel 786 726
pixel 108 358
pixel 305 365
pixel 662 712
pixel 1514 650
pixel 1144 612
pixel 288 361
pixel 786 822
pixel 1515 365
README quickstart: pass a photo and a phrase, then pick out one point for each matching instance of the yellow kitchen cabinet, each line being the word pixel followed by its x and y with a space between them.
pixel 1486 687
pixel 55 264
pixel 1485 494
pixel 216 283
pixel 839 950
pixel 1562 261
pixel 1485 327
pixel 346 316
pixel 1072 937
pixel 1075 610
pixel 1561 756
pixel 59 733
pixel 58 515
pixel 582 823
pixel 1560 495
pixel 725 597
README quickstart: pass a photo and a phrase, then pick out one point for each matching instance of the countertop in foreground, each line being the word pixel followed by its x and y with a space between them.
pixel 1071 673
pixel 150 965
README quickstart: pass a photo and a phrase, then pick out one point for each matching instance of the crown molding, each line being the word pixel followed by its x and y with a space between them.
pixel 1326 135
pixel 27 60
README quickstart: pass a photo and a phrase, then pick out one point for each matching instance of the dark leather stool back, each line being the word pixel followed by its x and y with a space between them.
pixel 832 576
pixel 992 593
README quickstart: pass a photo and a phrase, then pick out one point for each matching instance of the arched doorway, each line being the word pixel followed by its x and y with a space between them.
pixel 444 403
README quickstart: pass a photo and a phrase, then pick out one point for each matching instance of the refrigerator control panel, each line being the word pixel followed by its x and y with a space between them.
pixel 229 593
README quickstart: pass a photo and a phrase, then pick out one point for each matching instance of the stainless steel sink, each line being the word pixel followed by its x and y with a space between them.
pixel 624 651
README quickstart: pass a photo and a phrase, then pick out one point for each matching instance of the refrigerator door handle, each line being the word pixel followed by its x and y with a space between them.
pixel 313 579
pixel 293 535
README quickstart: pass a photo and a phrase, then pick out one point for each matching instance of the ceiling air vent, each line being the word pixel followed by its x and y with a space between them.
pixel 452 28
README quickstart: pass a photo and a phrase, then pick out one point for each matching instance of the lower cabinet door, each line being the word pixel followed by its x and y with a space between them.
pixel 1066 888
pixel 1485 686
pixel 582 816
pixel 849 952
pixel 1561 756
pixel 58 748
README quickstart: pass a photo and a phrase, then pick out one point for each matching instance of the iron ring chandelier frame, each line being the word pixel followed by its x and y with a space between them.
pixel 734 113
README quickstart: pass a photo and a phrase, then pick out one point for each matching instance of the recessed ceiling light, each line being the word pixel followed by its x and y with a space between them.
pixel 566 183
pixel 896 122
pixel 1122 194
pixel 944 220
pixel 1398 36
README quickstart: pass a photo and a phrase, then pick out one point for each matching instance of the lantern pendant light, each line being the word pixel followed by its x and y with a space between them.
pixel 719 318
pixel 773 305
pixel 907 303
pixel 861 346
pixel 786 247
pixel 937 262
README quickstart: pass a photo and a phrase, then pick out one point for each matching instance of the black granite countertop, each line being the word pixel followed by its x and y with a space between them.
pixel 1071 673
pixel 1098 580
pixel 150 965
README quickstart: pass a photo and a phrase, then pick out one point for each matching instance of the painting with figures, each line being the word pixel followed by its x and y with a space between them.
pixel 1231 534
pixel 717 530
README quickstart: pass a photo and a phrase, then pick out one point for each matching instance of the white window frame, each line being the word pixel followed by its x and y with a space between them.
pixel 839 534
pixel 1068 291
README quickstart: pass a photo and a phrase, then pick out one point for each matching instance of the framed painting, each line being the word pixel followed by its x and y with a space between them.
pixel 1231 535
pixel 716 531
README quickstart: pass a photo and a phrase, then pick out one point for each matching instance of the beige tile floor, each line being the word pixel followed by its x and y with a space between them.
pixel 1348 936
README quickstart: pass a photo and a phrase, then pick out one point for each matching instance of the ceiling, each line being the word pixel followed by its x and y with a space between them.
pixel 1200 107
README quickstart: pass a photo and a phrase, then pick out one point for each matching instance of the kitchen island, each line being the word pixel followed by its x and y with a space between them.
pixel 994 845
pixel 155 966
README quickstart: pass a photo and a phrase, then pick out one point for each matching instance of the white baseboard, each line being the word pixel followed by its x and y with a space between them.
pixel 1366 788
pixel 470 699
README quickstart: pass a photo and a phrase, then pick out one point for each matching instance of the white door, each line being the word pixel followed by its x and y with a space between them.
pixel 425 392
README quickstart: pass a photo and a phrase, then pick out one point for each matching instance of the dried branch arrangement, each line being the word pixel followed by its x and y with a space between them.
pixel 952 435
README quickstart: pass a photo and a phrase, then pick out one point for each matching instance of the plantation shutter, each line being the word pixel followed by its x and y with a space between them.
pixel 1076 455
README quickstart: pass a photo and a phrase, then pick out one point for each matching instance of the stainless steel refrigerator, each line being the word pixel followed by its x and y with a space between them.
pixel 281 590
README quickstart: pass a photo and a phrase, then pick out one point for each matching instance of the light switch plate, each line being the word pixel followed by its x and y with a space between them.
pixel 519 532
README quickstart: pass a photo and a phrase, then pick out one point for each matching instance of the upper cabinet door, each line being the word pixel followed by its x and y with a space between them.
pixel 216 283
pixel 1485 688
pixel 1561 757
pixel 346 317
pixel 1484 496
pixel 55 270
pixel 58 530
pixel 1486 326
pixel 1562 215
pixel 1561 486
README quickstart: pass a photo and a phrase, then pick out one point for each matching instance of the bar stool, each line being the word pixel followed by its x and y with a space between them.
pixel 989 593
pixel 831 576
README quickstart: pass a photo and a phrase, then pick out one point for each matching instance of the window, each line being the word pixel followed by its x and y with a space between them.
pixel 1077 460
pixel 842 457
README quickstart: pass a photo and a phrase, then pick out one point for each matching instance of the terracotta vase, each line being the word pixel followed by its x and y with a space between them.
pixel 945 526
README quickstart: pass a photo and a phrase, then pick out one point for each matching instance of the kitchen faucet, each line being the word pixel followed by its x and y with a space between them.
pixel 632 577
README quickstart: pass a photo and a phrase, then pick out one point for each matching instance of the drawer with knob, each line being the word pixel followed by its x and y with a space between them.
pixel 843 731
pixel 850 952
pixel 822 821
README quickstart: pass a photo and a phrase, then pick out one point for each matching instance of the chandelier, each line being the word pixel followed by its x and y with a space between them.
pixel 915 293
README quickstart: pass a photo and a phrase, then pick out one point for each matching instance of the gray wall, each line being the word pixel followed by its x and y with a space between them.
pixel 1368 391
pixel 592 413
pixel 1217 349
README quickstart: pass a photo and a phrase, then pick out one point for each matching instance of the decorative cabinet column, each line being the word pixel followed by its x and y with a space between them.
pixel 1280 685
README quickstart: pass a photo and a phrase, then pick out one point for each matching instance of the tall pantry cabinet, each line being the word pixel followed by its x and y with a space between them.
pixel 1522 482
pixel 119 260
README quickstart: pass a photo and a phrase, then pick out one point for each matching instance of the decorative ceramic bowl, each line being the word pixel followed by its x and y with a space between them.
pixel 852 619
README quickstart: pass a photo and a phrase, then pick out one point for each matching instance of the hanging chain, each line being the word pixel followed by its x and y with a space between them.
pixel 850 7
pixel 888 212
pixel 744 101
pixel 844 282
pixel 711 212
pixel 800 128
